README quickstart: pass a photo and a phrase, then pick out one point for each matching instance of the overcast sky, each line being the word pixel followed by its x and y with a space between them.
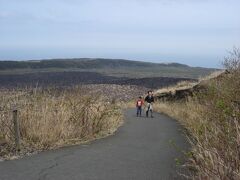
pixel 194 32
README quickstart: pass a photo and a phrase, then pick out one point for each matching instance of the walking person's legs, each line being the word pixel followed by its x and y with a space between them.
pixel 148 107
pixel 151 113
pixel 138 111
pixel 151 110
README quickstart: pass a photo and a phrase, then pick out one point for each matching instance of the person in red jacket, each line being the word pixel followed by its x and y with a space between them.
pixel 139 105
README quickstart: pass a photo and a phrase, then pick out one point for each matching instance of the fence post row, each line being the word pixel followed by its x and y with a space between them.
pixel 16 129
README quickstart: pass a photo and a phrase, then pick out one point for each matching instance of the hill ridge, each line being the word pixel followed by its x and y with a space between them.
pixel 112 67
pixel 83 63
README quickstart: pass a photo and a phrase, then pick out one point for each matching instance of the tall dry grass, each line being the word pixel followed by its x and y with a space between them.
pixel 213 120
pixel 52 118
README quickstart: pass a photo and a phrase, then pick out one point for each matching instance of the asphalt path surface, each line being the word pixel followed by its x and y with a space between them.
pixel 142 149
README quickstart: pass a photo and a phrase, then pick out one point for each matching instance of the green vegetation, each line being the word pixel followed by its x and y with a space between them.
pixel 117 67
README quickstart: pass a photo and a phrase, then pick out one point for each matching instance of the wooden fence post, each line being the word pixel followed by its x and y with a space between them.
pixel 16 129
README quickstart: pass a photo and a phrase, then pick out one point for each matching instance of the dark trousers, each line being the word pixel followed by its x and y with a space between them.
pixel 139 110
pixel 150 112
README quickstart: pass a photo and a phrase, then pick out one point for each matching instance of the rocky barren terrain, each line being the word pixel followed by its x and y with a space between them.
pixel 62 79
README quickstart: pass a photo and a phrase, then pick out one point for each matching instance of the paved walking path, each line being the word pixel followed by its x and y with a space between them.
pixel 140 150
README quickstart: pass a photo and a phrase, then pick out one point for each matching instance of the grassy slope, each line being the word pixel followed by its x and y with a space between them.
pixel 212 117
pixel 117 67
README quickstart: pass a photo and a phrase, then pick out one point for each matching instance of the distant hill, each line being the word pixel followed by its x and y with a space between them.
pixel 82 63
pixel 112 67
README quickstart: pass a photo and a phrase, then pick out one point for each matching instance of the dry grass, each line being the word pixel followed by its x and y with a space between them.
pixel 213 120
pixel 179 86
pixel 53 118
pixel 211 76
pixel 188 84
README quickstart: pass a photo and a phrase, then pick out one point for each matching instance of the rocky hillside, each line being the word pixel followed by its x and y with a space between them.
pixel 66 79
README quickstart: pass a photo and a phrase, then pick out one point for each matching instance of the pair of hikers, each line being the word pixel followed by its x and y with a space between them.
pixel 149 107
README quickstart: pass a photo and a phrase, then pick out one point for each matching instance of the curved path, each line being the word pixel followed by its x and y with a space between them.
pixel 142 149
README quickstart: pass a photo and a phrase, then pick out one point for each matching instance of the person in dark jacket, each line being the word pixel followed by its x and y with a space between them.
pixel 150 100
